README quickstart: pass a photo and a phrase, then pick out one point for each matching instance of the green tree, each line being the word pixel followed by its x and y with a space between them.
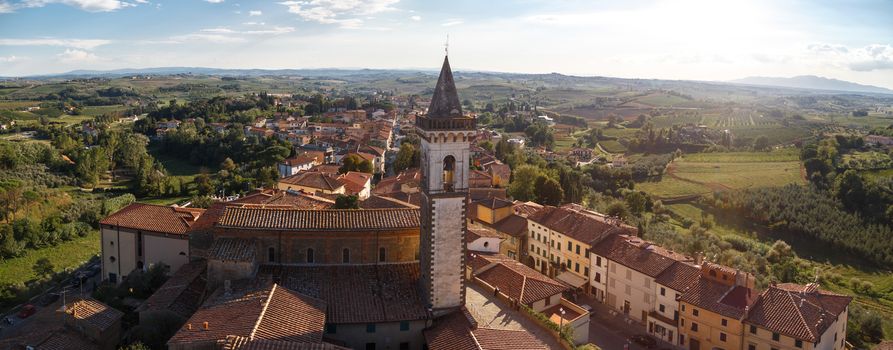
pixel 522 186
pixel 636 201
pixel 228 164
pixel 617 209
pixel 407 157
pixel 548 191
pixel 43 267
pixel 203 184
pixel 353 162
pixel 761 143
pixel 347 202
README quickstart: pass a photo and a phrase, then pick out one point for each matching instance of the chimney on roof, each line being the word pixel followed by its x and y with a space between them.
pixel 189 326
pixel 801 302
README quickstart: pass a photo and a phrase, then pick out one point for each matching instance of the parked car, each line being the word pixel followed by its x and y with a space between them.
pixel 27 311
pixel 644 340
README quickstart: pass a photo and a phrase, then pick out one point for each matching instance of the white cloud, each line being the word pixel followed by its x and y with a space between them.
pixel 6 7
pixel 141 1
pixel 214 1
pixel 72 55
pixel 341 12
pixel 272 31
pixel 452 22
pixel 861 59
pixel 86 44
pixel 255 13
pixel 9 59
pixel 86 5
pixel 416 18
pixel 209 37
pixel 254 23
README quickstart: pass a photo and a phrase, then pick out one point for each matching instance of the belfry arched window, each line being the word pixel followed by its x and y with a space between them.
pixel 449 171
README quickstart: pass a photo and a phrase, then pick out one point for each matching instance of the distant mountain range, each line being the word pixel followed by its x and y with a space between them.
pixel 812 82
pixel 226 72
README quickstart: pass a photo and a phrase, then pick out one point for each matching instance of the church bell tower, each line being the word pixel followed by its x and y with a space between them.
pixel 445 135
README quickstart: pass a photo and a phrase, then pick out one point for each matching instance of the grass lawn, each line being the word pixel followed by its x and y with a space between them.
pixel 164 200
pixel 66 255
pixel 708 172
pixel 613 146
pixel 563 143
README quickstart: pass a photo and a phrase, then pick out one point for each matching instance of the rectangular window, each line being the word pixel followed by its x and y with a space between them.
pixel 578 249
pixel 577 267
pixel 661 308
pixel 798 343
pixel 532 247
pixel 404 325
pixel 694 327
pixel 683 307
pixel 370 328
pixel 753 329
pixel 724 322
pixel 586 254
pixel 663 291
pixel 598 277
pixel 570 246
pixel 722 336
pixel 586 271
pixel 694 312
pixel 776 336
pixel 629 274
pixel 751 347
pixel 598 261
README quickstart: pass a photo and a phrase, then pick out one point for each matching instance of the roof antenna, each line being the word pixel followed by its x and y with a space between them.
pixel 446 46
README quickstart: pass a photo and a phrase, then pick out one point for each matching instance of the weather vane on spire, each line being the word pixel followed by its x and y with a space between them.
pixel 446 46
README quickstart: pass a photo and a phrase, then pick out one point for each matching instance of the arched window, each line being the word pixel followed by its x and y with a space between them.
pixel 310 255
pixel 449 169
pixel 382 255
pixel 271 254
pixel 345 256
pixel 486 244
pixel 112 258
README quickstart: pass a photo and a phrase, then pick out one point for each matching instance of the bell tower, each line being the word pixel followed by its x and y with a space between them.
pixel 445 135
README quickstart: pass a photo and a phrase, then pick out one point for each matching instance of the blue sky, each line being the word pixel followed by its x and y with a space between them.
pixel 679 39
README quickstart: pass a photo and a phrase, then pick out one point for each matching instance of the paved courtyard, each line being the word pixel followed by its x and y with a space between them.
pixel 491 312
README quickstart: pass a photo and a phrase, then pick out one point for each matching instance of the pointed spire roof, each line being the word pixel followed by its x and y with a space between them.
pixel 445 102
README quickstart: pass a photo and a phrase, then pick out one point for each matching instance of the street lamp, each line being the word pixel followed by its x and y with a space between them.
pixel 560 320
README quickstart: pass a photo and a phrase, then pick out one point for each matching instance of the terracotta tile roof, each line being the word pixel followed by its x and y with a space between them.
pixel 355 182
pixel 512 225
pixel 326 168
pixel 884 345
pixel 520 282
pixel 302 159
pixel 476 232
pixel 459 331
pixel 477 260
pixel 716 297
pixel 633 254
pixel 381 202
pixel 526 208
pixel 50 338
pixel 277 197
pixel 314 179
pixel 494 203
pixel 576 224
pixel 182 293
pixel 411 198
pixel 357 293
pixel 452 332
pixel 679 276
pixel 258 313
pixel 485 192
pixel 233 342
pixel 318 220
pixel 93 312
pixel 155 218
pixel 801 312
pixel 393 184
pixel 233 249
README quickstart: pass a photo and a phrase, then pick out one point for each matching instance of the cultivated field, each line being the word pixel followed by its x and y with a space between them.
pixel 708 172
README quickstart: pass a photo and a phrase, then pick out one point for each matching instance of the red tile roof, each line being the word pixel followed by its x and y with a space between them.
pixel 520 282
pixel 584 227
pixel 355 182
pixel 477 260
pixel 801 312
pixel 679 276
pixel 264 313
pixel 476 232
pixel 182 293
pixel 93 312
pixel 314 179
pixel 233 249
pixel 716 297
pixel 277 197
pixel 494 203
pixel 393 184
pixel 357 293
pixel 318 220
pixel 640 257
pixel 155 218
pixel 233 342
pixel 382 202
pixel 459 331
